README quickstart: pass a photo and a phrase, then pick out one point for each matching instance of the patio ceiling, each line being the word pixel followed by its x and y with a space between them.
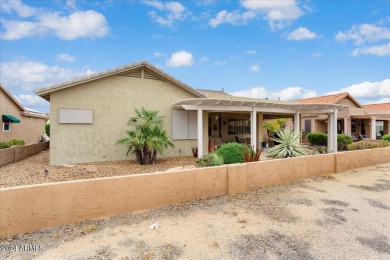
pixel 266 106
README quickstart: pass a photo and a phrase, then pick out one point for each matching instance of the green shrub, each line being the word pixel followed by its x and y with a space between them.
pixel 386 137
pixel 321 149
pixel 4 145
pixel 367 145
pixel 317 139
pixel 47 129
pixel 16 142
pixel 207 160
pixel 343 141
pixel 232 152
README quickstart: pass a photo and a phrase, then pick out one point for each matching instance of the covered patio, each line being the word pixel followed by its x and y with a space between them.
pixel 256 111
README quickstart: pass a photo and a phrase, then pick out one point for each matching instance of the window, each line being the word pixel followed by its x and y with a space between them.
pixel 308 126
pixel 239 126
pixel 6 127
pixel 184 125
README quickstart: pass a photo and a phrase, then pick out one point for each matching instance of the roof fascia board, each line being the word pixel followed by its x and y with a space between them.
pixel 13 98
pixel 45 92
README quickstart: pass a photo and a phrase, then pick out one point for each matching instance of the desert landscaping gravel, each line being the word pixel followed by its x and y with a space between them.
pixel 340 216
pixel 36 169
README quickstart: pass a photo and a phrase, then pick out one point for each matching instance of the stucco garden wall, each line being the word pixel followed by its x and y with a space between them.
pixel 17 153
pixel 30 208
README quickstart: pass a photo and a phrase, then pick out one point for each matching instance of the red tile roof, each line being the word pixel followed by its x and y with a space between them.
pixel 379 106
pixel 329 99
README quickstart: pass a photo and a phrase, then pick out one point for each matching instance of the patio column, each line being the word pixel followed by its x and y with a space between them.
pixel 332 132
pixel 347 126
pixel 200 131
pixel 253 128
pixel 297 121
pixel 373 128
pixel 329 130
pixel 386 127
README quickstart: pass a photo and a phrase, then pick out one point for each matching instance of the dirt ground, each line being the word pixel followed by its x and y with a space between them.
pixel 36 169
pixel 341 216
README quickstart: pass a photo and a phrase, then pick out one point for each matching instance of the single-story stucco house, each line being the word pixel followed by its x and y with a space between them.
pixel 355 120
pixel 19 122
pixel 89 114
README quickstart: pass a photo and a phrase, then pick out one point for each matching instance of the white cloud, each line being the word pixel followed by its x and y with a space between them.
pixel 369 90
pixel 175 11
pixel 317 54
pixel 290 93
pixel 71 4
pixel 204 59
pixel 254 68
pixel 32 101
pixel 180 59
pixel 380 50
pixel 235 18
pixel 279 13
pixel 79 24
pixel 302 33
pixel 65 57
pixel 250 52
pixel 9 6
pixel 28 75
pixel 256 92
pixel 159 54
pixel 220 63
pixel 363 33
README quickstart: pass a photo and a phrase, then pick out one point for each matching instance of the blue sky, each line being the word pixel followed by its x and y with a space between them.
pixel 274 49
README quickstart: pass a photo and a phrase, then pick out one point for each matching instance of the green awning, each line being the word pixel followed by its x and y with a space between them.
pixel 9 118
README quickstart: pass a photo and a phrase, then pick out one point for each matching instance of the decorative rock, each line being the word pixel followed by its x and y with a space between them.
pixel 67 165
pixel 90 168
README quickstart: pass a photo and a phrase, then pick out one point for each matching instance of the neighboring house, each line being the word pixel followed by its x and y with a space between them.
pixel 89 114
pixel 19 122
pixel 356 120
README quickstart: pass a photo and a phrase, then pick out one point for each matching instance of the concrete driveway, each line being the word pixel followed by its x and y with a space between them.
pixel 341 216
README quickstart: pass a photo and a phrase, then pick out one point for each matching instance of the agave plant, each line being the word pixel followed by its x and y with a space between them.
pixel 288 145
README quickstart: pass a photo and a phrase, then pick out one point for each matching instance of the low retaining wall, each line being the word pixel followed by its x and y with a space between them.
pixel 362 158
pixel 30 208
pixel 17 153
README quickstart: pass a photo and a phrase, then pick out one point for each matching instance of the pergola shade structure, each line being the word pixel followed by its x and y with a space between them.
pixel 256 107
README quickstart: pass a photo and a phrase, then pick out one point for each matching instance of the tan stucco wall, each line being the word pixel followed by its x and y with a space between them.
pixel 29 129
pixel 363 158
pixel 30 208
pixel 112 100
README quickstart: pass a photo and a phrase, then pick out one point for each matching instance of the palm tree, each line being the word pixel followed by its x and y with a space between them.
pixel 147 137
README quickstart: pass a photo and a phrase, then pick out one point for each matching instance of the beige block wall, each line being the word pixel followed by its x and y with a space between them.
pixel 112 100
pixel 29 129
pixel 30 208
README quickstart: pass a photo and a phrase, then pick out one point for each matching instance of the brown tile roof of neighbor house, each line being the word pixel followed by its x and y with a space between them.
pixel 328 99
pixel 378 106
